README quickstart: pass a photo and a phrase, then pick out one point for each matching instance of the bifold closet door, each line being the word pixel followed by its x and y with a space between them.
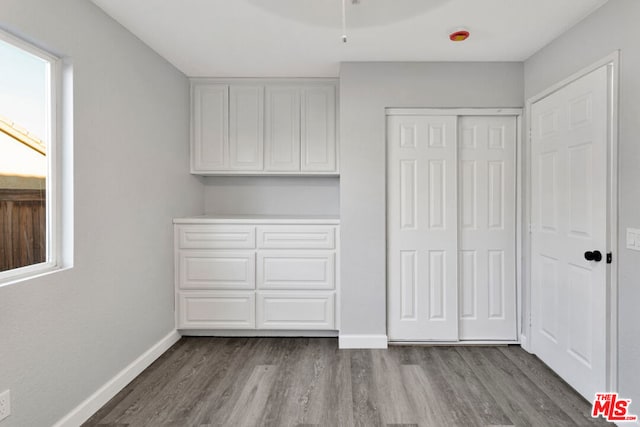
pixel 422 228
pixel 487 236
pixel 451 228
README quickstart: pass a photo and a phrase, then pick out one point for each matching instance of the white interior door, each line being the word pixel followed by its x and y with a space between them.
pixel 422 228
pixel 569 218
pixel 487 236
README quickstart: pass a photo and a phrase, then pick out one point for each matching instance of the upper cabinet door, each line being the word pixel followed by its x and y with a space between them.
pixel 318 129
pixel 282 137
pixel 210 133
pixel 246 130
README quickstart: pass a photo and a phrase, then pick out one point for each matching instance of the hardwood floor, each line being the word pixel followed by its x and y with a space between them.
pixel 308 381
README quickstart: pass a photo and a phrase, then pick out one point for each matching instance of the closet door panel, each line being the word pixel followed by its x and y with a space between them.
pixel 487 239
pixel 422 228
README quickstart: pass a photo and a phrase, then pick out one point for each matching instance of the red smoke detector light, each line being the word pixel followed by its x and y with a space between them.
pixel 459 36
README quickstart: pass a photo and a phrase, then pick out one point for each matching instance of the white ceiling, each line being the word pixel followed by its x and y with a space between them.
pixel 302 38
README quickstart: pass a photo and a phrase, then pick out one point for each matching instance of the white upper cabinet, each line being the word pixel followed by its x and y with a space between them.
pixel 318 142
pixel 282 137
pixel 262 127
pixel 210 133
pixel 246 128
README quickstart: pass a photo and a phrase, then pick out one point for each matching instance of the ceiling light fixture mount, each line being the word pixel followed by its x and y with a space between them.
pixel 344 18
pixel 459 35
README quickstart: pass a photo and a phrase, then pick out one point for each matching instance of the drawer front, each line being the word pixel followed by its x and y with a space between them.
pixel 216 237
pixel 216 270
pixel 296 270
pixel 297 237
pixel 296 310
pixel 216 310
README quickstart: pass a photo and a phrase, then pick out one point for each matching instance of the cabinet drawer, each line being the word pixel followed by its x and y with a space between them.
pixel 220 309
pixel 296 237
pixel 216 270
pixel 296 270
pixel 216 237
pixel 295 310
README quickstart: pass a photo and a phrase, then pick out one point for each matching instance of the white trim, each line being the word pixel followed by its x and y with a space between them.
pixel 27 46
pixel 286 81
pixel 55 150
pixel 614 70
pixel 519 224
pixel 297 174
pixel 454 343
pixel 611 61
pixel 453 111
pixel 524 342
pixel 257 333
pixel 362 341
pixel 88 407
pixel 259 220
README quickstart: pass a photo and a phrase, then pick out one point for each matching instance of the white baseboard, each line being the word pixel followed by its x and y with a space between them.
pixel 467 343
pixel 362 341
pixel 256 333
pixel 86 409
pixel 524 343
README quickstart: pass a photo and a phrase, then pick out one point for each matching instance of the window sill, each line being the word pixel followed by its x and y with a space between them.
pixel 22 274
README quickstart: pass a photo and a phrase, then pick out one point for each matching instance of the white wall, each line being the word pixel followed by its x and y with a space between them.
pixel 64 335
pixel 612 27
pixel 272 195
pixel 365 90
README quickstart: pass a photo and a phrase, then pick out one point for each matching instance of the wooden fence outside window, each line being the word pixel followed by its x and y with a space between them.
pixel 22 228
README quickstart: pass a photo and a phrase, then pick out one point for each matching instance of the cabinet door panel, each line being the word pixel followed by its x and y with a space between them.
pixel 296 310
pixel 296 237
pixel 318 141
pixel 216 270
pixel 210 133
pixel 296 270
pixel 216 310
pixel 216 237
pixel 246 118
pixel 282 138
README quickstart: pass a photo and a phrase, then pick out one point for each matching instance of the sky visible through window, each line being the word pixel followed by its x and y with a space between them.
pixel 24 144
pixel 23 102
pixel 23 88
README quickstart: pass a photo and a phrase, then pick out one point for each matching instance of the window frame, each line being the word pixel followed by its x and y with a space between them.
pixel 53 180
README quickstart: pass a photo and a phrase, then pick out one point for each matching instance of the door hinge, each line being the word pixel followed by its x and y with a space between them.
pixel 609 258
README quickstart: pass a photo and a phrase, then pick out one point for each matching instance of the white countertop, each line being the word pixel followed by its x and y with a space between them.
pixel 259 219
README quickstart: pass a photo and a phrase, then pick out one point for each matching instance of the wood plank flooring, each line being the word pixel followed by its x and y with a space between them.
pixel 204 381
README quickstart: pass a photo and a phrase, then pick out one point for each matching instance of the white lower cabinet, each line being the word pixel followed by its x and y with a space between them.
pixel 216 269
pixel 216 310
pixel 258 273
pixel 296 310
pixel 296 270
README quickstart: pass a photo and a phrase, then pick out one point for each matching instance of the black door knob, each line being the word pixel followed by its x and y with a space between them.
pixel 593 256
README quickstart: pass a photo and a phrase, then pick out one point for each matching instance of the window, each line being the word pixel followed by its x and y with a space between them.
pixel 27 159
